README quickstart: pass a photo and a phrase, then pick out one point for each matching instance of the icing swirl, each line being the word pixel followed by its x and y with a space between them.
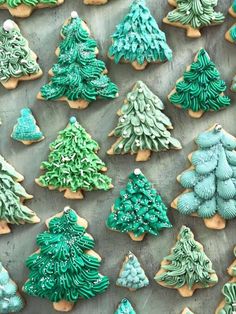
pixel 33 3
pixel 229 291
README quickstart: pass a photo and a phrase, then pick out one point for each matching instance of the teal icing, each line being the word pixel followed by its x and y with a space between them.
pixel 125 307
pixel 212 182
pixel 132 275
pixel 229 292
pixel 232 32
pixel 138 37
pixel 234 6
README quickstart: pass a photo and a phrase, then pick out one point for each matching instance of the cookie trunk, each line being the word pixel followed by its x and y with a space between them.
pixel 63 306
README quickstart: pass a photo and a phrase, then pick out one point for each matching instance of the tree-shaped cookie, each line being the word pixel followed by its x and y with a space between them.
pixel 193 15
pixel 73 165
pixel 210 181
pixel 132 275
pixel 187 268
pixel 10 299
pixel 125 307
pixel 201 88
pixel 232 9
pixel 65 268
pixel 79 77
pixel 142 127
pixel 139 209
pixel 231 33
pixel 138 39
pixel 20 63
pixel 26 129
pixel 228 305
pixel 12 196
pixel 187 311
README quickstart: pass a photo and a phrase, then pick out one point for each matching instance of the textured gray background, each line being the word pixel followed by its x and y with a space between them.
pixel 42 30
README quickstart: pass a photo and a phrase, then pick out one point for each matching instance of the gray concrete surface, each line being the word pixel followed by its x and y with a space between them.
pixel 42 30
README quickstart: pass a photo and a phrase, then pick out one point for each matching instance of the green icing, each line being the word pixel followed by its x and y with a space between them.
pixel 78 73
pixel 211 184
pixel 10 300
pixel 201 87
pixel 229 292
pixel 15 55
pixel 16 3
pixel 142 125
pixel 234 6
pixel 63 268
pixel 232 32
pixel 138 37
pixel 125 307
pixel 139 208
pixel 132 275
pixel 233 86
pixel 73 163
pixel 187 264
pixel 196 13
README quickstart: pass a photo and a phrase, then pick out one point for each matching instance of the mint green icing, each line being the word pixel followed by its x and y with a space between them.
pixel 125 307
pixel 234 6
pixel 201 87
pixel 132 275
pixel 229 292
pixel 212 181
pixel 139 208
pixel 64 268
pixel 232 32
pixel 138 37
pixel 233 86
pixel 187 264
pixel 26 128
pixel 16 3
pixel 142 124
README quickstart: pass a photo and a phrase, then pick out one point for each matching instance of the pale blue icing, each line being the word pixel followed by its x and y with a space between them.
pixel 125 307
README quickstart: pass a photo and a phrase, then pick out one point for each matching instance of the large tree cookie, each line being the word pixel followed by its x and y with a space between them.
pixel 138 39
pixel 187 268
pixel 125 307
pixel 210 191
pixel 79 77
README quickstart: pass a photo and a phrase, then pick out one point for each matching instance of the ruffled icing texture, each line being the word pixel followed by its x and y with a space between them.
pixel 232 33
pixel 229 292
pixel 78 73
pixel 196 13
pixel 139 209
pixel 31 3
pixel 132 275
pixel 73 163
pixel 10 300
pixel 212 181
pixel 187 264
pixel 15 55
pixel 201 87
pixel 138 37
pixel 125 307
pixel 142 124
pixel 63 269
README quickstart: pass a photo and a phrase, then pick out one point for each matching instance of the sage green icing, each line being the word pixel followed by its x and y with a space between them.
pixel 196 13
pixel 139 208
pixel 229 292
pixel 138 37
pixel 63 269
pixel 233 268
pixel 125 307
pixel 15 55
pixel 142 125
pixel 31 3
pixel 187 264
pixel 201 87
pixel 73 163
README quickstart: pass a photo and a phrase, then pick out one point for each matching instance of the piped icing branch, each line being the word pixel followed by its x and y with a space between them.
pixel 125 307
pixel 16 3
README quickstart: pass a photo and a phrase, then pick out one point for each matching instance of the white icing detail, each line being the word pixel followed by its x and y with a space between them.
pixel 8 25
pixel 74 14
pixel 137 171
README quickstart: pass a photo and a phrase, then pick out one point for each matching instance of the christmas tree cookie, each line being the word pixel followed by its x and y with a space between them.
pixel 139 209
pixel 20 63
pixel 187 311
pixel 138 39
pixel 210 181
pixel 10 299
pixel 26 129
pixel 132 275
pixel 228 305
pixel 79 77
pixel 193 15
pixel 65 268
pixel 231 33
pixel 232 9
pixel 73 165
pixel 187 268
pixel 125 307
pixel 142 127
pixel 12 196
pixel 201 88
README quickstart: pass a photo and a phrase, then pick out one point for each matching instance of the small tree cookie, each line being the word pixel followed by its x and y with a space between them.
pixel 10 299
pixel 125 307
pixel 139 210
pixel 187 311
pixel 142 127
pixel 12 196
pixel 210 182
pixel 232 9
pixel 20 63
pixel 231 33
pixel 138 39
pixel 132 275
pixel 26 129
pixel 73 165
pixel 187 268
pixel 79 77
pixel 193 15
pixel 65 268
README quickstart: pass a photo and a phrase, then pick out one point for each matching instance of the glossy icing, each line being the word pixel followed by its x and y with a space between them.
pixel 16 3
pixel 125 307
pixel 229 292
pixel 138 37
